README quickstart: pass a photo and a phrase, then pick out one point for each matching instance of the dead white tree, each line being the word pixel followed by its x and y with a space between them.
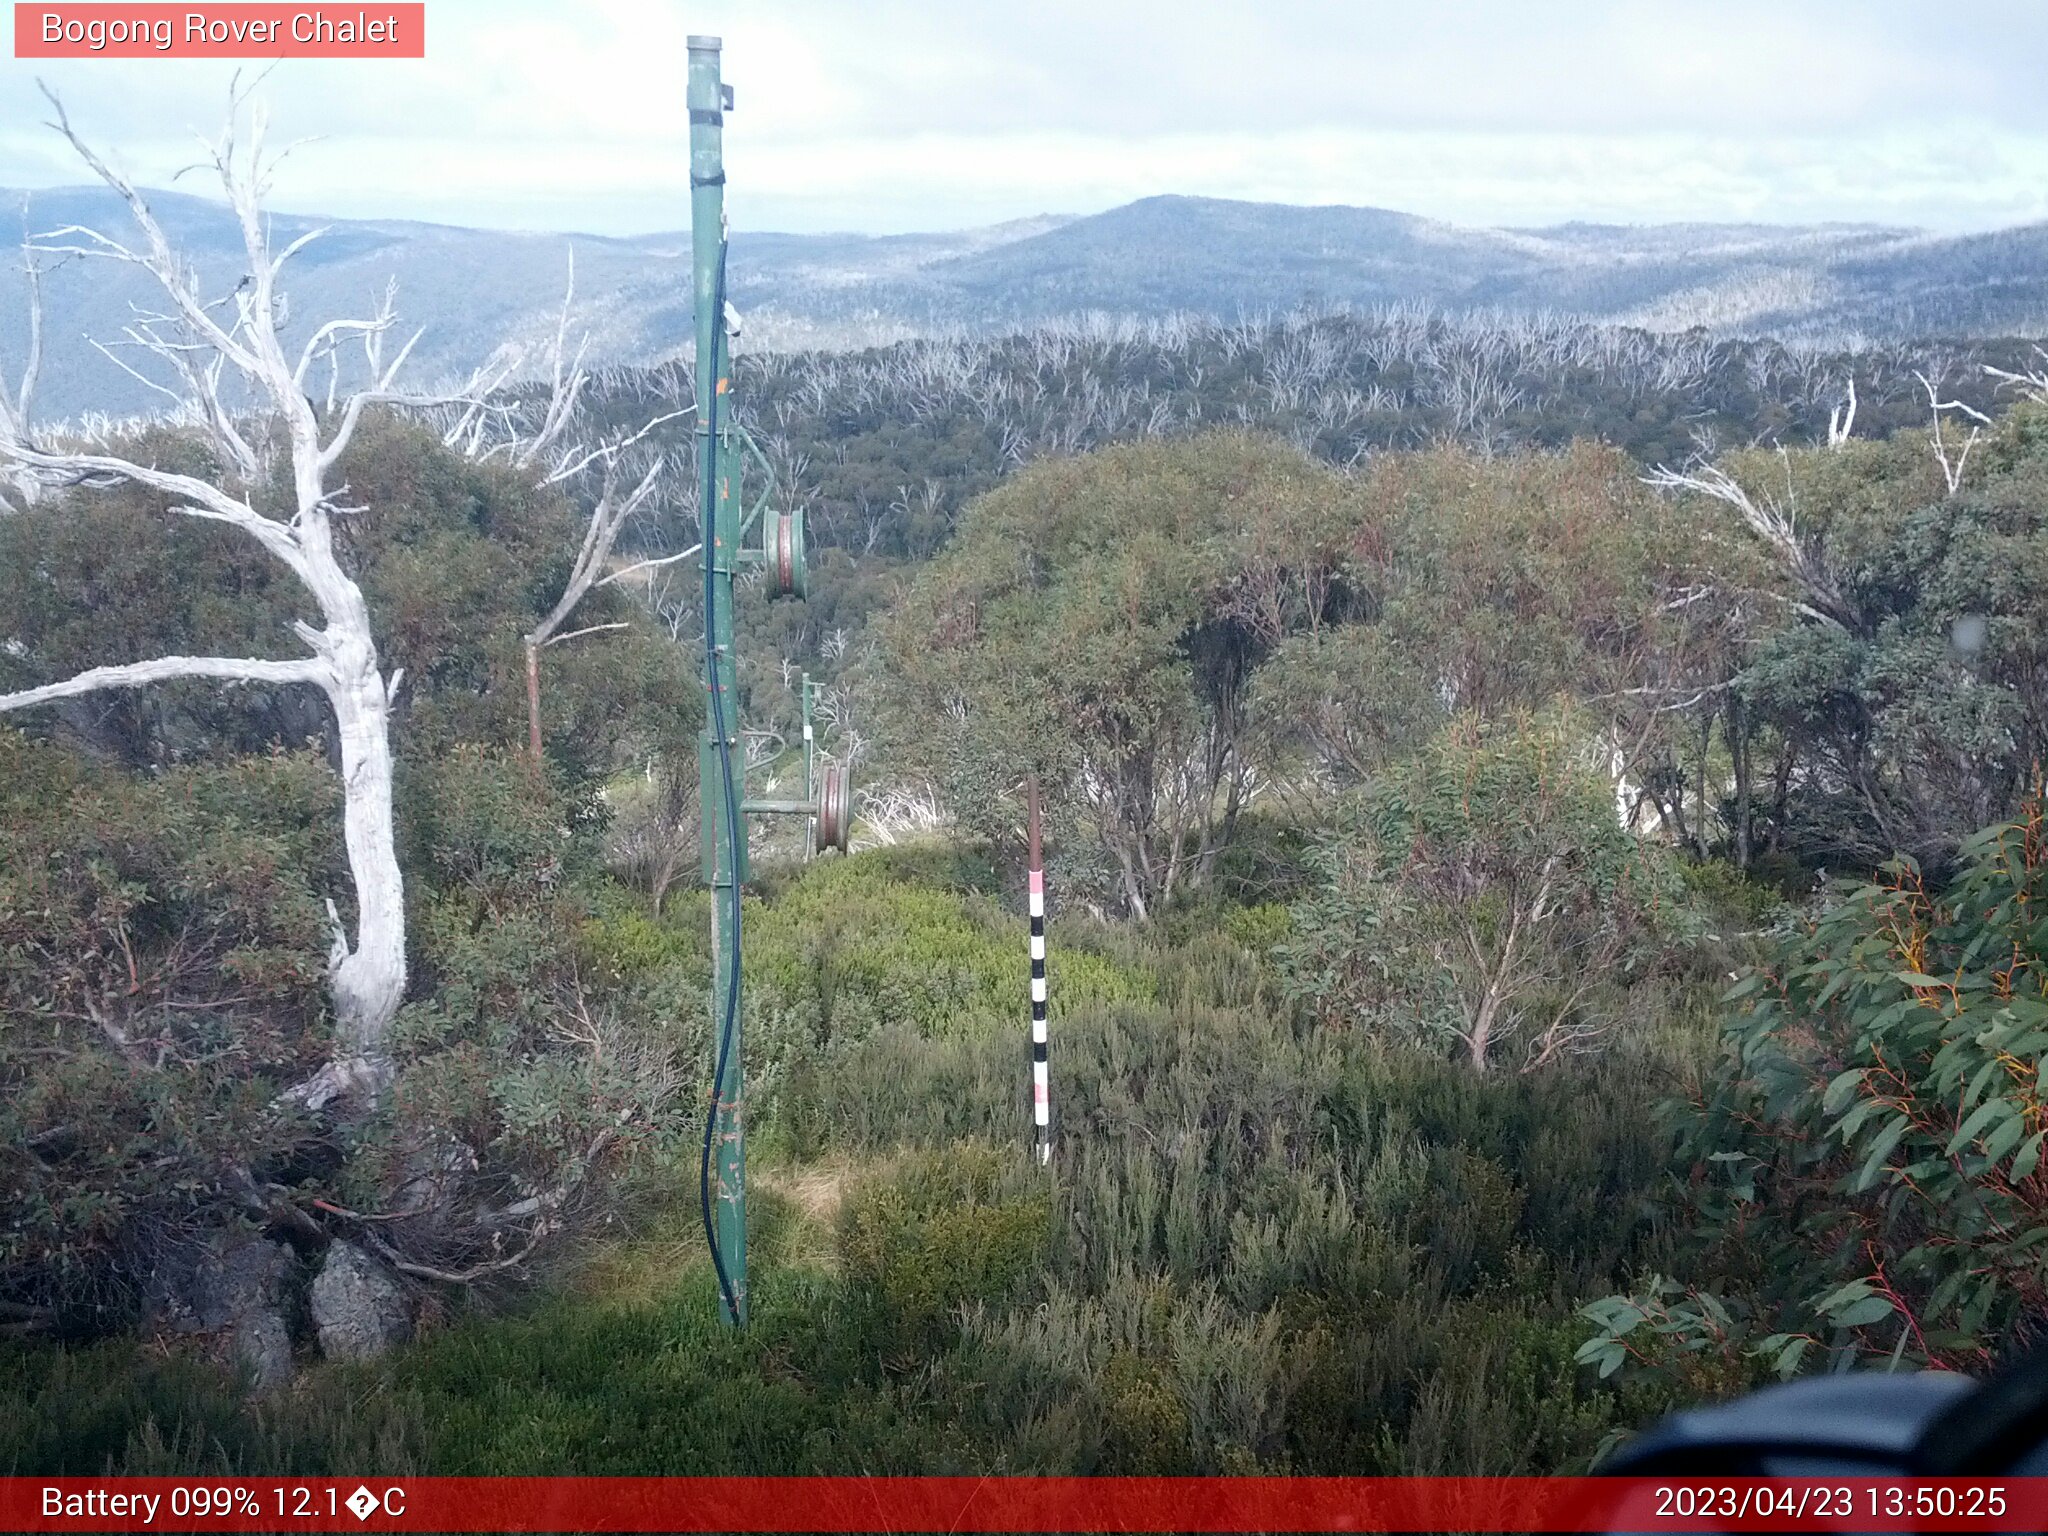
pixel 615 508
pixel 898 813
pixel 1775 521
pixel 568 379
pixel 234 380
pixel 1951 468
pixel 2032 384
pixel 1842 418
pixel 18 485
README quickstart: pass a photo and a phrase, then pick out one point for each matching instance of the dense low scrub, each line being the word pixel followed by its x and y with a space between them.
pixel 1261 1245
pixel 1424 777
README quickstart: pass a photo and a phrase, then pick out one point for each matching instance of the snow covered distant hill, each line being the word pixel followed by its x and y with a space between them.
pixel 471 289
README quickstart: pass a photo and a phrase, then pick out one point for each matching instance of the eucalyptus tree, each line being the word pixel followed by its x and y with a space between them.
pixel 1097 620
pixel 1481 896
pixel 1886 691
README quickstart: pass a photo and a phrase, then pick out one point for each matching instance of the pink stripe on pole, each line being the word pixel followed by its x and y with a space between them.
pixel 1038 1094
pixel 1038 882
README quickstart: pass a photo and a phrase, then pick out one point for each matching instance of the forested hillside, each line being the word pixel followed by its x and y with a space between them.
pixel 1158 260
pixel 1436 716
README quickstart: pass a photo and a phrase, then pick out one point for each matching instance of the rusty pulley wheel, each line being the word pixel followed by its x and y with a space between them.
pixel 784 555
pixel 835 808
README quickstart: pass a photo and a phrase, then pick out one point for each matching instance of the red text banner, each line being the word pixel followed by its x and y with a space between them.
pixel 1018 1504
pixel 231 31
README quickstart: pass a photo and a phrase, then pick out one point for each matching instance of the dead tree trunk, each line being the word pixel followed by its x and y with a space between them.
pixel 211 349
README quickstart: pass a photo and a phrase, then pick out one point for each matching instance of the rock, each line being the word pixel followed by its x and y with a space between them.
pixel 263 1347
pixel 237 1287
pixel 358 1306
pixel 245 1286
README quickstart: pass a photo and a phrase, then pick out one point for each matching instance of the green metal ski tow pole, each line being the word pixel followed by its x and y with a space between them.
pixel 723 448
pixel 724 852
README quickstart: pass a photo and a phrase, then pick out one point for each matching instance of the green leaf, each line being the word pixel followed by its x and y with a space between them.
pixel 1984 1114
pixel 1862 1313
pixel 1841 1090
pixel 1945 1293
pixel 1860 1112
pixel 1880 1149
pixel 1606 1352
pixel 2005 1138
pixel 1855 1290
pixel 2029 1158
pixel 1980 1082
pixel 1787 1364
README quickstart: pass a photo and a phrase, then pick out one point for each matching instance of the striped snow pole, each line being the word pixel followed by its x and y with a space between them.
pixel 1041 1093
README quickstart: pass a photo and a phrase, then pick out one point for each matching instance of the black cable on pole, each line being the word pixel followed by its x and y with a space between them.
pixel 732 814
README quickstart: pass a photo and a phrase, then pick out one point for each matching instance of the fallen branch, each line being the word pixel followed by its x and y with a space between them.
pixel 468 1276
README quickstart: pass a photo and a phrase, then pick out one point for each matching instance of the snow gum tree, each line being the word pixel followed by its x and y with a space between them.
pixel 224 364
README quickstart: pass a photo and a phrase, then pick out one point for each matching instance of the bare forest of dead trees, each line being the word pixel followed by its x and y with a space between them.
pixel 887 444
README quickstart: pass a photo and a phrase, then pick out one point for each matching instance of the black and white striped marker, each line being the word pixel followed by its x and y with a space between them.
pixel 1041 1092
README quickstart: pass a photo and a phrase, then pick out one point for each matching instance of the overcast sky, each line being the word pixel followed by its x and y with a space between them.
pixel 889 115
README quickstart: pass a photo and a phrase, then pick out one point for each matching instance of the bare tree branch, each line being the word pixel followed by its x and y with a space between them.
pixel 15 412
pixel 1951 469
pixel 609 452
pixel 2033 384
pixel 163 669
pixel 1773 521
pixel 1842 418
pixel 648 565
pixel 588 629
pixel 611 514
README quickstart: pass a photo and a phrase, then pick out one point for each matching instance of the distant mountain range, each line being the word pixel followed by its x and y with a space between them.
pixel 471 289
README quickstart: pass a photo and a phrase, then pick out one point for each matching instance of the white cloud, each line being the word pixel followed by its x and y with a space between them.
pixel 898 114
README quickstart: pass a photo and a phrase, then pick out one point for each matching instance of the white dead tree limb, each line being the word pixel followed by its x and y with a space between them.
pixel 493 424
pixel 2032 384
pixel 544 442
pixel 538 434
pixel 615 508
pixel 1776 523
pixel 566 385
pixel 233 377
pixel 1842 418
pixel 897 813
pixel 1951 467
pixel 18 486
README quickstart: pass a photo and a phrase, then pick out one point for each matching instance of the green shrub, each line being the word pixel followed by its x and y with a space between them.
pixel 857 947
pixel 939 1231
pixel 1865 1164
pixel 162 975
pixel 1729 895
pixel 1263 1245
pixel 1482 897
pixel 1145 1426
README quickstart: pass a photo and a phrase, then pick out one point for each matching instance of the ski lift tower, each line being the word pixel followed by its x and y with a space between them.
pixel 723 451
